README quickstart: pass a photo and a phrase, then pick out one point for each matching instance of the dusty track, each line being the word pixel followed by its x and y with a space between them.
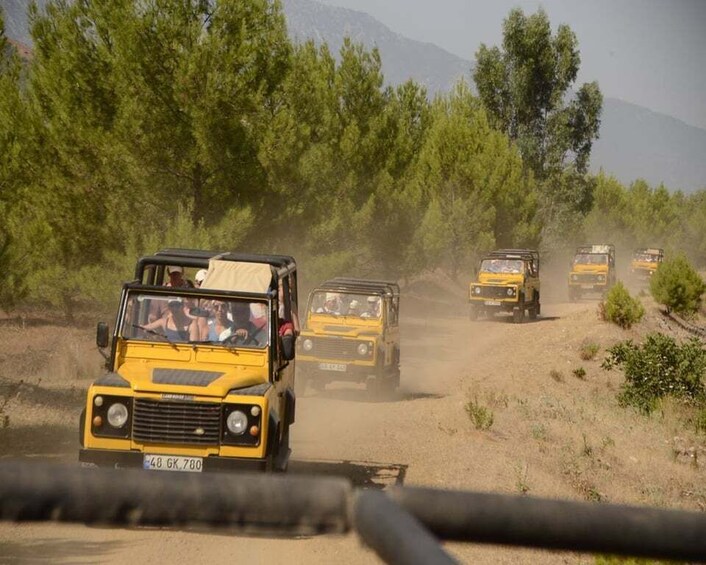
pixel 557 436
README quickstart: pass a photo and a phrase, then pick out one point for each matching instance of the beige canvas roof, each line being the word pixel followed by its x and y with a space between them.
pixel 237 276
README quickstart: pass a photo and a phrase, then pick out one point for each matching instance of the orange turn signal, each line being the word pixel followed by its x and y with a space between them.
pixel 254 430
pixel 97 421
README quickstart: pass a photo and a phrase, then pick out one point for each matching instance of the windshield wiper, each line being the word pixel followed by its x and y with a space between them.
pixel 152 332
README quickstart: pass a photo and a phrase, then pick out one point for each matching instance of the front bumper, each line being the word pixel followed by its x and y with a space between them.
pixel 324 370
pixel 131 459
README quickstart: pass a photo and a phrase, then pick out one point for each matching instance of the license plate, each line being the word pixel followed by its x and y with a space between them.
pixel 587 286
pixel 340 367
pixel 492 303
pixel 172 463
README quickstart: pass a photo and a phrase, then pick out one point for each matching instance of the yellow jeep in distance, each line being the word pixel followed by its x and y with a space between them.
pixel 196 382
pixel 592 270
pixel 644 263
pixel 507 281
pixel 351 334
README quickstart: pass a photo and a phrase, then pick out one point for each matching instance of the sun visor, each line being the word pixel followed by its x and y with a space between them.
pixel 237 276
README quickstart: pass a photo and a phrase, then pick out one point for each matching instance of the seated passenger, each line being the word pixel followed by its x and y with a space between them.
pixel 353 308
pixel 372 311
pixel 331 306
pixel 175 324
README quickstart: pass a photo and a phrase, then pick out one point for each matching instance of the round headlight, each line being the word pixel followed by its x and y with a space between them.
pixel 510 291
pixel 574 277
pixel 307 345
pixel 601 277
pixel 476 289
pixel 362 349
pixel 117 415
pixel 237 422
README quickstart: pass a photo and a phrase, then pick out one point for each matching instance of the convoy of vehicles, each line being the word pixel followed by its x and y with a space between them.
pixel 592 270
pixel 507 281
pixel 180 395
pixel 644 263
pixel 351 333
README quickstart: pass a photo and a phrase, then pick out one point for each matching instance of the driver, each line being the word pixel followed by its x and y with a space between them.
pixel 220 326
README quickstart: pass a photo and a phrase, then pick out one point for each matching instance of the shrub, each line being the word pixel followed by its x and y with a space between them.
pixel 481 417
pixel 588 351
pixel 678 286
pixel 580 373
pixel 621 308
pixel 659 367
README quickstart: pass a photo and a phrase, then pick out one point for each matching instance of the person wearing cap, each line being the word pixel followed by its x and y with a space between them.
pixel 176 278
pixel 372 311
pixel 331 306
pixel 199 277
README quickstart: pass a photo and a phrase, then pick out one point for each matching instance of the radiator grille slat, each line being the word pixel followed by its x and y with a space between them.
pixel 493 292
pixel 157 421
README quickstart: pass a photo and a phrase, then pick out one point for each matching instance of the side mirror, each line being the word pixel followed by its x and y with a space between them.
pixel 286 343
pixel 102 335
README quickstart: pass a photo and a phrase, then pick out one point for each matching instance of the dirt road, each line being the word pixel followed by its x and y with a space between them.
pixel 553 434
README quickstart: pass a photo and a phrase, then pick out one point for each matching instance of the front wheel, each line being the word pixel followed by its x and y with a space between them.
pixel 518 314
pixel 473 312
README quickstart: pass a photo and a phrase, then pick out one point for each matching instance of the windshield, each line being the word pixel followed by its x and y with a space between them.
pixel 646 257
pixel 345 304
pixel 176 318
pixel 513 266
pixel 591 259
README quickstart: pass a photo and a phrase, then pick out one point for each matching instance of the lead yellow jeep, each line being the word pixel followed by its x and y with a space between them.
pixel 199 378
pixel 507 281
pixel 351 333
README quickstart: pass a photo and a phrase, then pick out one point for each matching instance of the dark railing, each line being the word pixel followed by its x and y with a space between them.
pixel 402 525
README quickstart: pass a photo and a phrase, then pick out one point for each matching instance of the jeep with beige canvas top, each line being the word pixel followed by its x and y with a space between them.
pixel 198 378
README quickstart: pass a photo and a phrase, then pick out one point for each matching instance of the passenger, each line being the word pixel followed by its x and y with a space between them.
pixel 331 306
pixel 176 278
pixel 176 324
pixel 373 310
pixel 258 314
pixel 353 308
pixel 199 277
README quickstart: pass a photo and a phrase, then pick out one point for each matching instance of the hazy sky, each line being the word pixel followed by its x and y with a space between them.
pixel 649 52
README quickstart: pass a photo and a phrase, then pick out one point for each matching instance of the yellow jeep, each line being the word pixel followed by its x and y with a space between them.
pixel 351 333
pixel 199 377
pixel 644 263
pixel 507 281
pixel 592 270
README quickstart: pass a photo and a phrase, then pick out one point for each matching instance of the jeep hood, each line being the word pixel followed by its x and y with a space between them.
pixel 211 380
pixel 500 278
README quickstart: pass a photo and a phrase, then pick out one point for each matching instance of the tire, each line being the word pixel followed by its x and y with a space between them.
pixel 518 314
pixel 533 311
pixel 473 312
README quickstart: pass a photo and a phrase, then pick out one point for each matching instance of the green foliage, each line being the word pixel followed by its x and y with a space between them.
pixel 523 88
pixel 621 308
pixel 657 368
pixel 481 416
pixel 678 286
pixel 579 373
pixel 588 351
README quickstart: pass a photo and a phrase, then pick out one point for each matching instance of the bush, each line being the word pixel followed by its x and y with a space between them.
pixel 481 417
pixel 678 286
pixel 621 308
pixel 588 351
pixel 659 367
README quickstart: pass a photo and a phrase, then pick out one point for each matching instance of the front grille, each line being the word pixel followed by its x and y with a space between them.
pixel 336 348
pixel 492 292
pixel 156 421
